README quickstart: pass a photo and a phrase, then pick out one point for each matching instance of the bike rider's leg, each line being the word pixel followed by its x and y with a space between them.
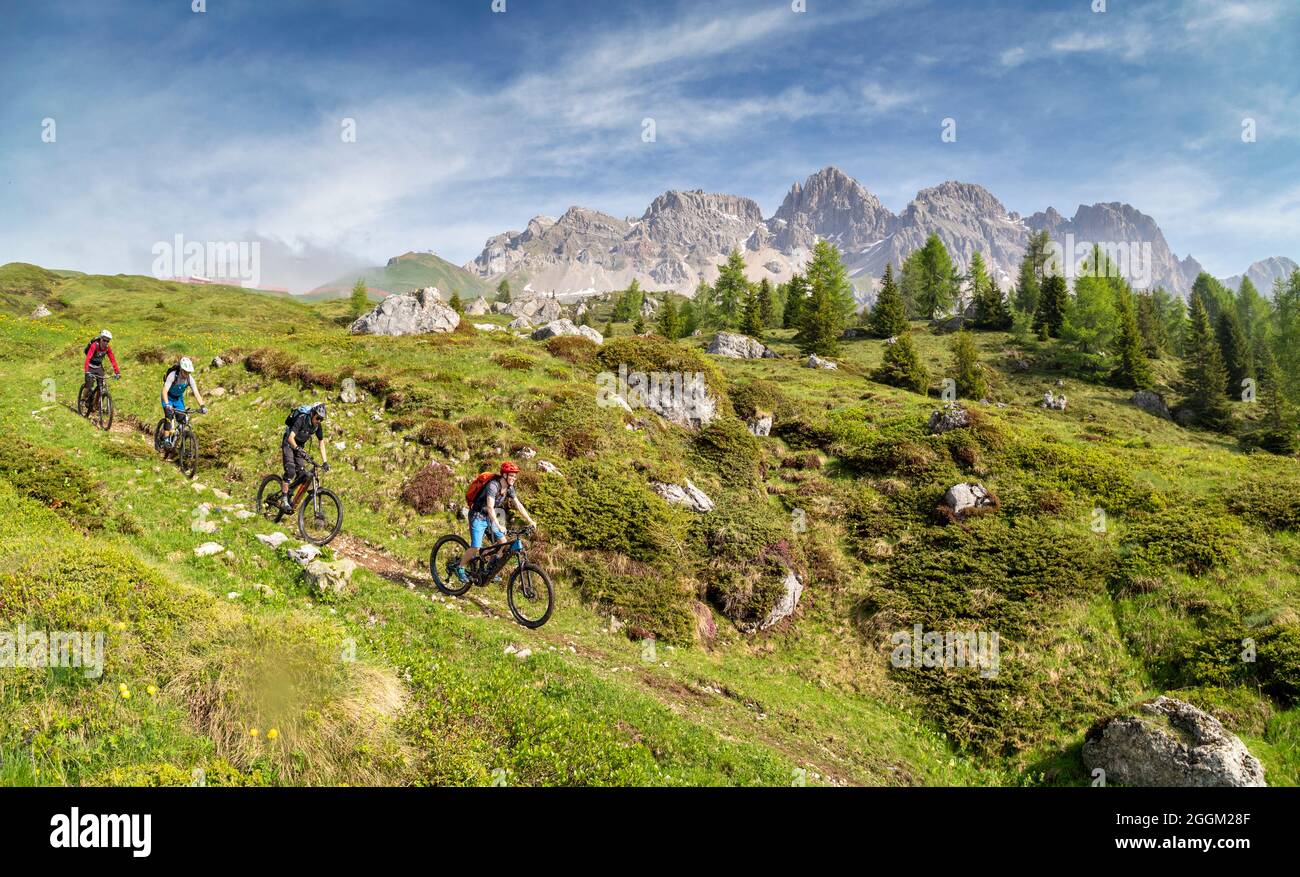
pixel 293 471
pixel 477 529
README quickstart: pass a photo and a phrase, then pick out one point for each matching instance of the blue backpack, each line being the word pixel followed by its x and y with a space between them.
pixel 293 415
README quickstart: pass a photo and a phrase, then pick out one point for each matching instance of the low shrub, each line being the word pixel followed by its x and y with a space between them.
pixel 652 353
pixel 430 489
pixel 576 349
pixel 749 549
pixel 749 398
pixel 1182 539
pixel 727 447
pixel 444 436
pixel 52 478
pixel 654 600
pixel 571 422
pixel 513 361
pixel 1273 503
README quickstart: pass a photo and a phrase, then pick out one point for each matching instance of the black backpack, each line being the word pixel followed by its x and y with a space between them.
pixel 167 374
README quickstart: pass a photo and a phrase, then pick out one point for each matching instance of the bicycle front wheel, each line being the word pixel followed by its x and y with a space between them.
pixel 105 411
pixel 321 518
pixel 83 401
pixel 189 454
pixel 530 596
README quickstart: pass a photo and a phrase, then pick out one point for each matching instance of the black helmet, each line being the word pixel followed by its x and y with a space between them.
pixel 319 410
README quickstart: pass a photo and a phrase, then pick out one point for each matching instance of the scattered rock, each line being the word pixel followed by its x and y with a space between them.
pixel 40 311
pixel 348 395
pixel 737 346
pixel 784 607
pixel 555 329
pixel 207 549
pixel 1152 403
pixel 220 494
pixel 218 362
pixel 950 417
pixel 549 468
pixel 411 314
pixel 478 307
pixel 1053 401
pixel 815 361
pixel 245 514
pixel 217 392
pixel 329 578
pixel 1167 742
pixel 760 425
pixel 521 323
pixel 527 453
pixel 304 553
pixel 968 498
pixel 487 327
pixel 689 497
pixel 275 540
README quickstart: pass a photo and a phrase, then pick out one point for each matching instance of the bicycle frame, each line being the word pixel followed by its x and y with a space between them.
pixel 495 557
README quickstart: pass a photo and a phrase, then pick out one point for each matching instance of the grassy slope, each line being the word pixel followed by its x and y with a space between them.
pixel 411 271
pixel 817 694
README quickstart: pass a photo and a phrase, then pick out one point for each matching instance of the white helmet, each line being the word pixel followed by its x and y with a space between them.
pixel 106 335
pixel 186 365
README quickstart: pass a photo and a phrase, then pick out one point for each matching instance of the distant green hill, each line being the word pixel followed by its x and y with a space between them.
pixel 403 274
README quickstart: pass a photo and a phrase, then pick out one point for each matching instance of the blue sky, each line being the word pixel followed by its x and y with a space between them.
pixel 225 125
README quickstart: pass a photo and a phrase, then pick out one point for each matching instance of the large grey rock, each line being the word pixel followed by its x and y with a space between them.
pixel 329 577
pixel 40 311
pixel 591 334
pixel 1167 742
pixel 414 313
pixel 1152 403
pixel 520 324
pixel 737 346
pixel 478 307
pixel 1053 401
pixel 950 417
pixel 557 328
pixel 968 497
pixel 815 361
pixel 688 496
pixel 760 425
pixel 535 308
pixel 784 608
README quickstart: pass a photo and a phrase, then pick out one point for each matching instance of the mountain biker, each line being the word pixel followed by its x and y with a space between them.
pixel 179 379
pixel 483 514
pixel 93 367
pixel 303 424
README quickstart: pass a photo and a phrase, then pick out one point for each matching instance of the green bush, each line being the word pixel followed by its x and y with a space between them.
pixel 1182 539
pixel 654 600
pixel 652 353
pixel 598 507
pixel 444 436
pixel 1273 504
pixel 727 447
pixel 749 549
pixel 576 349
pixel 754 396
pixel 570 421
pixel 54 480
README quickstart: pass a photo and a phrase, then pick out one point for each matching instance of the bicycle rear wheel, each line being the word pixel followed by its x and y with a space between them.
pixel 443 560
pixel 268 498
pixel 320 519
pixel 530 595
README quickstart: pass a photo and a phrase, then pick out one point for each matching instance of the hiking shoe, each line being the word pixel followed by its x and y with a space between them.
pixel 285 506
pixel 462 575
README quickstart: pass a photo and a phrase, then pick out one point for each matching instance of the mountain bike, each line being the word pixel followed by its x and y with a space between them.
pixel 95 398
pixel 182 446
pixel 319 511
pixel 528 591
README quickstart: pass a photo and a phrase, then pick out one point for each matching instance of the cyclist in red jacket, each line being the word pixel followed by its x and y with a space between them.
pixel 93 367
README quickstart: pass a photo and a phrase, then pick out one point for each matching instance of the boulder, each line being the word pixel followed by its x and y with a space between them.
pixel 40 311
pixel 689 496
pixel 348 395
pixel 948 418
pixel 760 425
pixel 1052 401
pixel 521 323
pixel 414 313
pixel 329 578
pixel 304 553
pixel 217 392
pixel 815 361
pixel 549 468
pixel 218 362
pixel 555 329
pixel 207 549
pixel 591 334
pixel 737 346
pixel 487 327
pixel 478 307
pixel 1152 403
pixel 1167 742
pixel 535 308
pixel 784 607
pixel 963 499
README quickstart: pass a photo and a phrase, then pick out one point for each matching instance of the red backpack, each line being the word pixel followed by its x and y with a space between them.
pixel 477 485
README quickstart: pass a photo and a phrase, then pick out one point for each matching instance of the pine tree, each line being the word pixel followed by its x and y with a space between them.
pixel 967 368
pixel 503 291
pixel 628 306
pixel 751 320
pixel 668 323
pixel 1235 350
pixel 638 325
pixel 359 301
pixel 1204 376
pixel 1053 302
pixel 828 271
pixel 1276 432
pixel 991 311
pixel 830 302
pixel 796 297
pixel 455 304
pixel 766 303
pixel 1133 370
pixel 1032 268
pixel 889 316
pixel 689 318
pixel 936 280
pixel 730 291
pixel 901 366
pixel 1154 340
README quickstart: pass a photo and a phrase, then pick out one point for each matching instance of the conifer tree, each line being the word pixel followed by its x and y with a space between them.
pixel 889 316
pixel 901 366
pixel 1204 376
pixel 967 368
pixel 1053 302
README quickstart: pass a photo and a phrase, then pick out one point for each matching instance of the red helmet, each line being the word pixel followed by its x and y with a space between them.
pixel 508 468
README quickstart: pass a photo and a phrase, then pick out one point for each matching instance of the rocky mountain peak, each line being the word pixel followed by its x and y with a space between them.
pixel 831 205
